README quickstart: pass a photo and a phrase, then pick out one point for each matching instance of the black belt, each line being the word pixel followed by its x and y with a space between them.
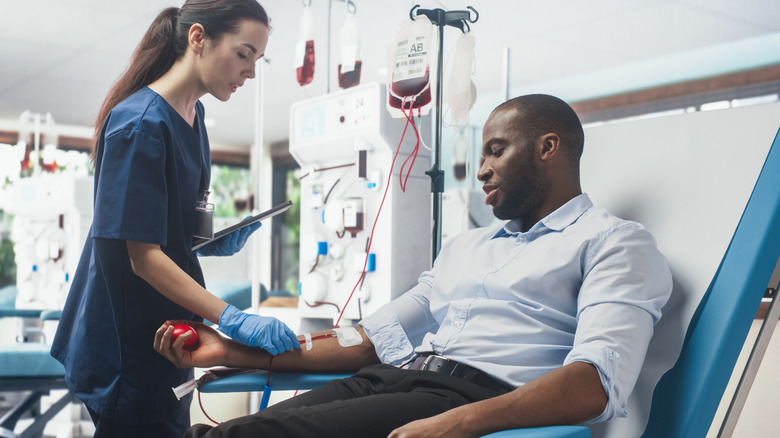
pixel 438 364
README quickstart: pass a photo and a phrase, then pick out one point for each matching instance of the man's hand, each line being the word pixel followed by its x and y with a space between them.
pixel 442 425
pixel 210 350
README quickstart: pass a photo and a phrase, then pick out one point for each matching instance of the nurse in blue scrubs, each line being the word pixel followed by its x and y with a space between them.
pixel 152 166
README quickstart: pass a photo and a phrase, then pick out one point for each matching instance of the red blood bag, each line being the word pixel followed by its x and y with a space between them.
pixel 409 67
pixel 304 49
pixel 350 63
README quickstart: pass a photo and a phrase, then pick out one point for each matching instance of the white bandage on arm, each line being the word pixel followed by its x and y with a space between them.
pixel 307 338
pixel 348 336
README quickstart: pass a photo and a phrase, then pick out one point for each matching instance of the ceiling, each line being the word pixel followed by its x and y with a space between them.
pixel 61 57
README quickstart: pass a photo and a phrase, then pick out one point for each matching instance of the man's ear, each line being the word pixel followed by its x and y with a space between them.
pixel 548 145
pixel 196 37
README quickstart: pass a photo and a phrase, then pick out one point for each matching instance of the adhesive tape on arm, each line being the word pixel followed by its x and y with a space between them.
pixel 348 336
pixel 307 337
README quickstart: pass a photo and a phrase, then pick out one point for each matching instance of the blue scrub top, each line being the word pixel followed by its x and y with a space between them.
pixel 149 169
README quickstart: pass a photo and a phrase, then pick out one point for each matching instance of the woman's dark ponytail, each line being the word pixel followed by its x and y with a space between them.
pixel 154 55
pixel 166 41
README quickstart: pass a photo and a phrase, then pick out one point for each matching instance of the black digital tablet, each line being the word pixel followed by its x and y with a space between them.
pixel 281 208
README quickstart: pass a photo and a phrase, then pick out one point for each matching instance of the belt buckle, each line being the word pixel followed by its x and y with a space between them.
pixel 426 362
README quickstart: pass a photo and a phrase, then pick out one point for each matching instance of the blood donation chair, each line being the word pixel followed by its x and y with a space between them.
pixel 686 398
pixel 27 368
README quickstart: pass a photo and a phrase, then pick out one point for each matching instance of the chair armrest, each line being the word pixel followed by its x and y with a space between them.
pixel 9 312
pixel 544 432
pixel 255 380
pixel 51 315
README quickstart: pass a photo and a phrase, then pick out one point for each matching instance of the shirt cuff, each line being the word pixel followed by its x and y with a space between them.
pixel 389 339
pixel 606 362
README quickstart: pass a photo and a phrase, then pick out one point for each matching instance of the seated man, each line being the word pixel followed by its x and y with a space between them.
pixel 541 320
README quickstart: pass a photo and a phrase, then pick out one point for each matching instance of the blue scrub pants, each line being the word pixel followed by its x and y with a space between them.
pixel 106 427
pixel 372 403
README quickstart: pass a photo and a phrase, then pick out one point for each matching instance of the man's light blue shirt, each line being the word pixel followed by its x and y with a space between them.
pixel 579 285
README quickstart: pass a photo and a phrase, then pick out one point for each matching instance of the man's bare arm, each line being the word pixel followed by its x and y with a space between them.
pixel 213 349
pixel 571 394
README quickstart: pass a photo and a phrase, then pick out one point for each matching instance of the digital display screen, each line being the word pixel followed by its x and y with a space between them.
pixel 312 122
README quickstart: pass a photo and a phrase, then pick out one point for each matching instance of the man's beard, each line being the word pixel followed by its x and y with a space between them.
pixel 523 196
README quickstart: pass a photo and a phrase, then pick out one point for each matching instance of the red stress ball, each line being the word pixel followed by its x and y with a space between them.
pixel 180 329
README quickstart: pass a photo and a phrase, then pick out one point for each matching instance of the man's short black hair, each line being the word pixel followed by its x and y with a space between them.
pixel 539 114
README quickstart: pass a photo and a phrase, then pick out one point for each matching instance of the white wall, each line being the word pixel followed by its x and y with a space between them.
pixel 687 178
pixel 235 267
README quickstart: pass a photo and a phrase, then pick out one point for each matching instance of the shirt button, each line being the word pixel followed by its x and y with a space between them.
pixel 457 323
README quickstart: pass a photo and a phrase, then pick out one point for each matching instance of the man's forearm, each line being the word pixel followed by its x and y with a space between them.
pixel 325 355
pixel 569 395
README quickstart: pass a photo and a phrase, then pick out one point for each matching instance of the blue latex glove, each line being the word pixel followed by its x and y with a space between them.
pixel 265 332
pixel 230 244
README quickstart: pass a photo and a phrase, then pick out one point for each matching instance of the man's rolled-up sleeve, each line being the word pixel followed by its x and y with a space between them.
pixel 627 281
pixel 398 327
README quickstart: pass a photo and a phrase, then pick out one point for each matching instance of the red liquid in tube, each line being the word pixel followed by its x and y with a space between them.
pixel 350 78
pixel 305 72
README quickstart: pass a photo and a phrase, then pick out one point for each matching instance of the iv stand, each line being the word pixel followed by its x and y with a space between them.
pixel 440 18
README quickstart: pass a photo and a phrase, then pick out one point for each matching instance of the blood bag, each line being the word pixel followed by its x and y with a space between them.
pixel 304 48
pixel 422 101
pixel 462 92
pixel 350 63
pixel 410 69
pixel 460 155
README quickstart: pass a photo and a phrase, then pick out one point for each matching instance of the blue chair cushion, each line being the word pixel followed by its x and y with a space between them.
pixel 254 380
pixel 28 359
pixel 12 312
pixel 544 432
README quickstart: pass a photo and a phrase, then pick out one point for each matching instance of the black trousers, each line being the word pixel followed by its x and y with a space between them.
pixel 372 403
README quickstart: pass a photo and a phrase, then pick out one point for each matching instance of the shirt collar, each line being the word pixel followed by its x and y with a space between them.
pixel 559 219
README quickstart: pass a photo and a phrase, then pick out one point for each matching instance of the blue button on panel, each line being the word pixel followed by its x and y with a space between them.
pixel 322 248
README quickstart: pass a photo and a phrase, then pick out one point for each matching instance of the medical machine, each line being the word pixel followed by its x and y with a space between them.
pixel 52 215
pixel 354 257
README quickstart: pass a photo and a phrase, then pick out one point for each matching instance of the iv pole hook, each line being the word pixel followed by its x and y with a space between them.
pixel 475 13
pixel 411 12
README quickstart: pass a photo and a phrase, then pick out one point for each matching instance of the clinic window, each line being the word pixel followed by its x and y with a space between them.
pixel 230 191
pixel 285 233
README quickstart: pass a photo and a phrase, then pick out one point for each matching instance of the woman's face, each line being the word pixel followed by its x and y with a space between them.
pixel 230 61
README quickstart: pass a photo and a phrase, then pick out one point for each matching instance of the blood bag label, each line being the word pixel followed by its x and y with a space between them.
pixel 411 58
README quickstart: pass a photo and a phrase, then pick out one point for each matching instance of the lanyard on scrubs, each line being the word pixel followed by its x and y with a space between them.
pixel 204 212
